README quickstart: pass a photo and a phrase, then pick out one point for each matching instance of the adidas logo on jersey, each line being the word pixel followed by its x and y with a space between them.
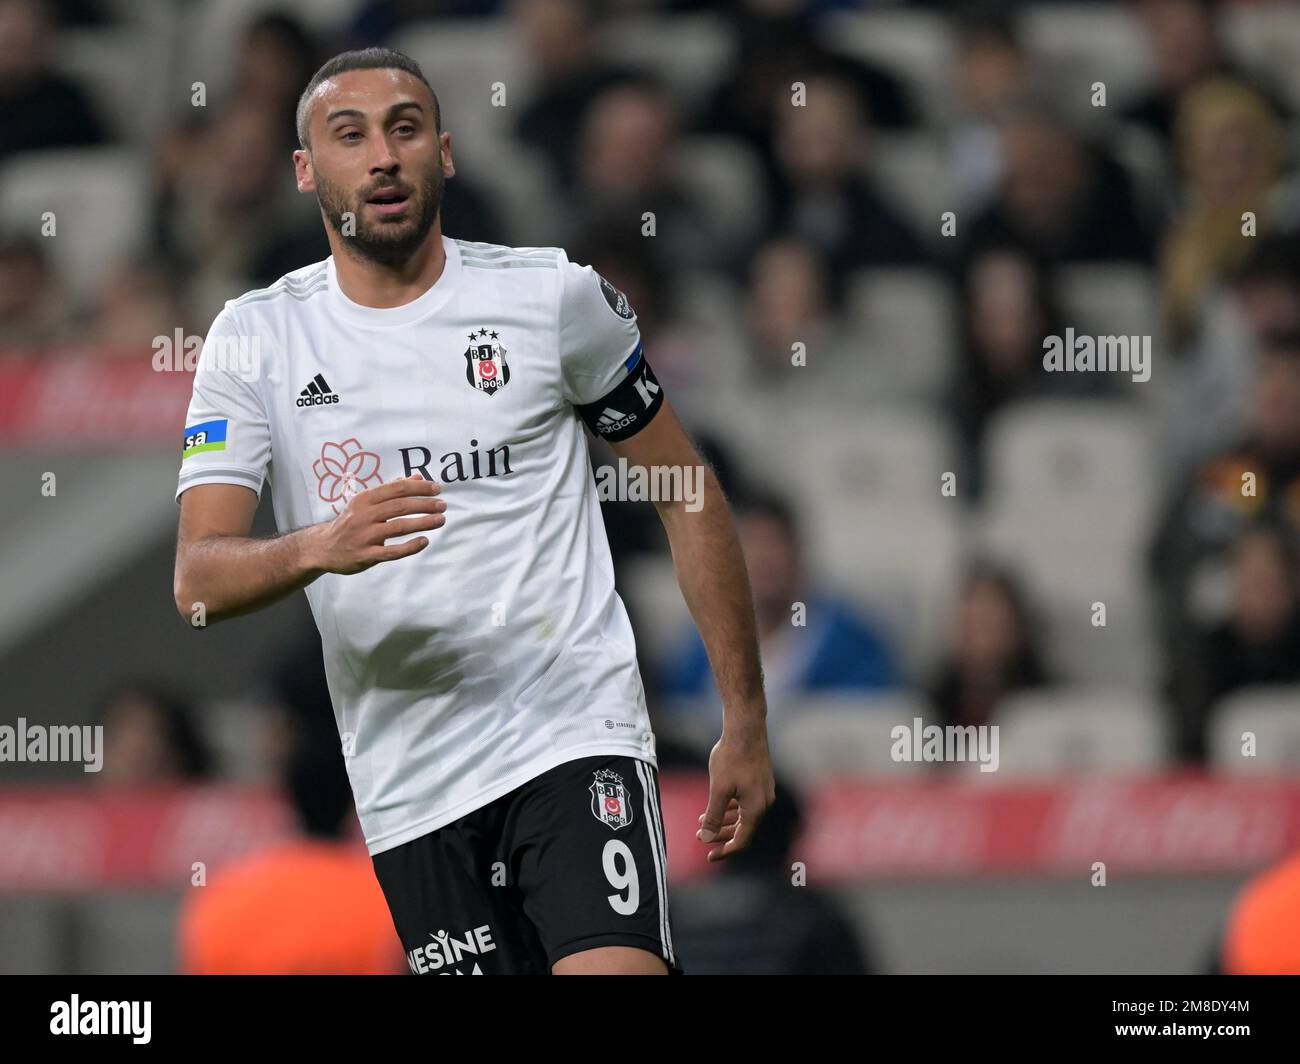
pixel 317 393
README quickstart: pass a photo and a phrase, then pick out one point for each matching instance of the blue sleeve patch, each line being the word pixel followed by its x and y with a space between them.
pixel 207 436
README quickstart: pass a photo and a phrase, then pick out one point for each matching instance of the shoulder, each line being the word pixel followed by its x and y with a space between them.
pixel 297 286
pixel 480 256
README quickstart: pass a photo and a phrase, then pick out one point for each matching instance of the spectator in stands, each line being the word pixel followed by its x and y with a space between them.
pixel 1257 644
pixel 993 71
pixel 626 167
pixel 1208 404
pixel 560 39
pixel 1230 152
pixel 150 738
pixel 834 651
pixel 1060 199
pixel 994 653
pixel 1256 478
pixel 1184 40
pixel 778 45
pixel 751 920
pixel 133 305
pixel 1263 932
pixel 1008 309
pixel 39 108
pixel 825 196
pixel 33 314
pixel 308 906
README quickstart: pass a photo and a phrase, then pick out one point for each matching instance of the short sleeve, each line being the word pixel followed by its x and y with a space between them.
pixel 604 369
pixel 227 438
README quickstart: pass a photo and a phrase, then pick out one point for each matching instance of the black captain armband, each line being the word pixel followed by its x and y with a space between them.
pixel 630 407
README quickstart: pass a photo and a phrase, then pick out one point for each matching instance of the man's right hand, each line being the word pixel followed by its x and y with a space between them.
pixel 356 539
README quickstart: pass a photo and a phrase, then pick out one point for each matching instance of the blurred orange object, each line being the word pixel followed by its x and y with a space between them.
pixel 1263 934
pixel 307 907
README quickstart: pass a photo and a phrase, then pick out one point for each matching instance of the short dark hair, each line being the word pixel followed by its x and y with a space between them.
pixel 362 59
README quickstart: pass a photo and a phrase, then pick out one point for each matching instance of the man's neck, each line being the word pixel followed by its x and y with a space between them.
pixel 373 284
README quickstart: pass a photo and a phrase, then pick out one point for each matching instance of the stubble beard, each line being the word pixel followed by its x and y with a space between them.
pixel 388 243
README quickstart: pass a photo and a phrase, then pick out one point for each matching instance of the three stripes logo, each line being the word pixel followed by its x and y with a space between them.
pixel 317 393
pixel 612 420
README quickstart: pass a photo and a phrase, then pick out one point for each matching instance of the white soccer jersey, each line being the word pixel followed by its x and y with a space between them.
pixel 502 649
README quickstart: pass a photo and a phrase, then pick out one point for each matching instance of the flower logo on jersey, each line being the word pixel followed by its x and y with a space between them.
pixel 485 362
pixel 342 470
pixel 609 802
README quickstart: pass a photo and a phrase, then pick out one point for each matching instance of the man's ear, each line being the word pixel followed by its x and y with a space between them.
pixel 302 170
pixel 448 167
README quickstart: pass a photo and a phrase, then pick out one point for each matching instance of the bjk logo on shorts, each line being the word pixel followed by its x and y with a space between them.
pixel 609 802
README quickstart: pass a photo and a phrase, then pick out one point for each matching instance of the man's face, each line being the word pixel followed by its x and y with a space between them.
pixel 376 162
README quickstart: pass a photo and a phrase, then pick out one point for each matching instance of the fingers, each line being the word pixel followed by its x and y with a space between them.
pixel 397 489
pixel 714 815
pixel 407 505
pixel 400 550
pixel 741 838
pixel 387 530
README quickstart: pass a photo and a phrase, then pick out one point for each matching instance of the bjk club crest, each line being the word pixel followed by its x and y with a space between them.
pixel 609 802
pixel 485 362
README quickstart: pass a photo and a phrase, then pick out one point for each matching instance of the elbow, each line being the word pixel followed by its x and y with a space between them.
pixel 188 601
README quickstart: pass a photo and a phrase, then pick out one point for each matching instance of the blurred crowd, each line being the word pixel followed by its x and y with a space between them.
pixel 1155 183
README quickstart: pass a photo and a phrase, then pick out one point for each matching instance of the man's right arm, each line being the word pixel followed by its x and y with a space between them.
pixel 228 572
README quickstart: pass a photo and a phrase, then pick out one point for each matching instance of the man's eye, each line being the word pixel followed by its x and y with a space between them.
pixel 405 129
pixel 351 133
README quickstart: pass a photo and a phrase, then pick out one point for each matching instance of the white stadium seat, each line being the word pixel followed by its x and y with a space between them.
pixel 916 46
pixel 844 736
pixel 99 200
pixel 1052 451
pixel 1113 299
pixel 725 178
pixel 463 59
pixel 1081 44
pixel 1272 714
pixel 914 173
pixel 688 52
pixel 1083 731
pixel 907 319
pixel 1266 37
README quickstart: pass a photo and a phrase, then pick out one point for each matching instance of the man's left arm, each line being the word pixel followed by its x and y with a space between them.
pixel 711 571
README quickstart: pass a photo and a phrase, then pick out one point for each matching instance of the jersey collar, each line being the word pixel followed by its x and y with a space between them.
pixel 428 303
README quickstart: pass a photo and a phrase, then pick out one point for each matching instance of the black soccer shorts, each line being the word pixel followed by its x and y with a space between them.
pixel 572 860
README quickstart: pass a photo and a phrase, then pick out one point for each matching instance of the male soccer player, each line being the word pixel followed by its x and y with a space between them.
pixel 417 403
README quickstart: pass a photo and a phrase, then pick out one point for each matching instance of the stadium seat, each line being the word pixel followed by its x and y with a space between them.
pixel 876 527
pixel 1112 299
pixel 1272 713
pixel 99 197
pixel 725 177
pixel 1086 43
pixel 112 63
pixel 844 736
pixel 907 319
pixel 1078 731
pixel 1266 38
pixel 204 46
pixel 914 173
pixel 1056 450
pixel 686 51
pixel 463 59
pixel 649 583
pixel 916 46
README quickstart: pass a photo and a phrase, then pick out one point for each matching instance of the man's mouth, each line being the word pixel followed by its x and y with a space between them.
pixel 388 201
